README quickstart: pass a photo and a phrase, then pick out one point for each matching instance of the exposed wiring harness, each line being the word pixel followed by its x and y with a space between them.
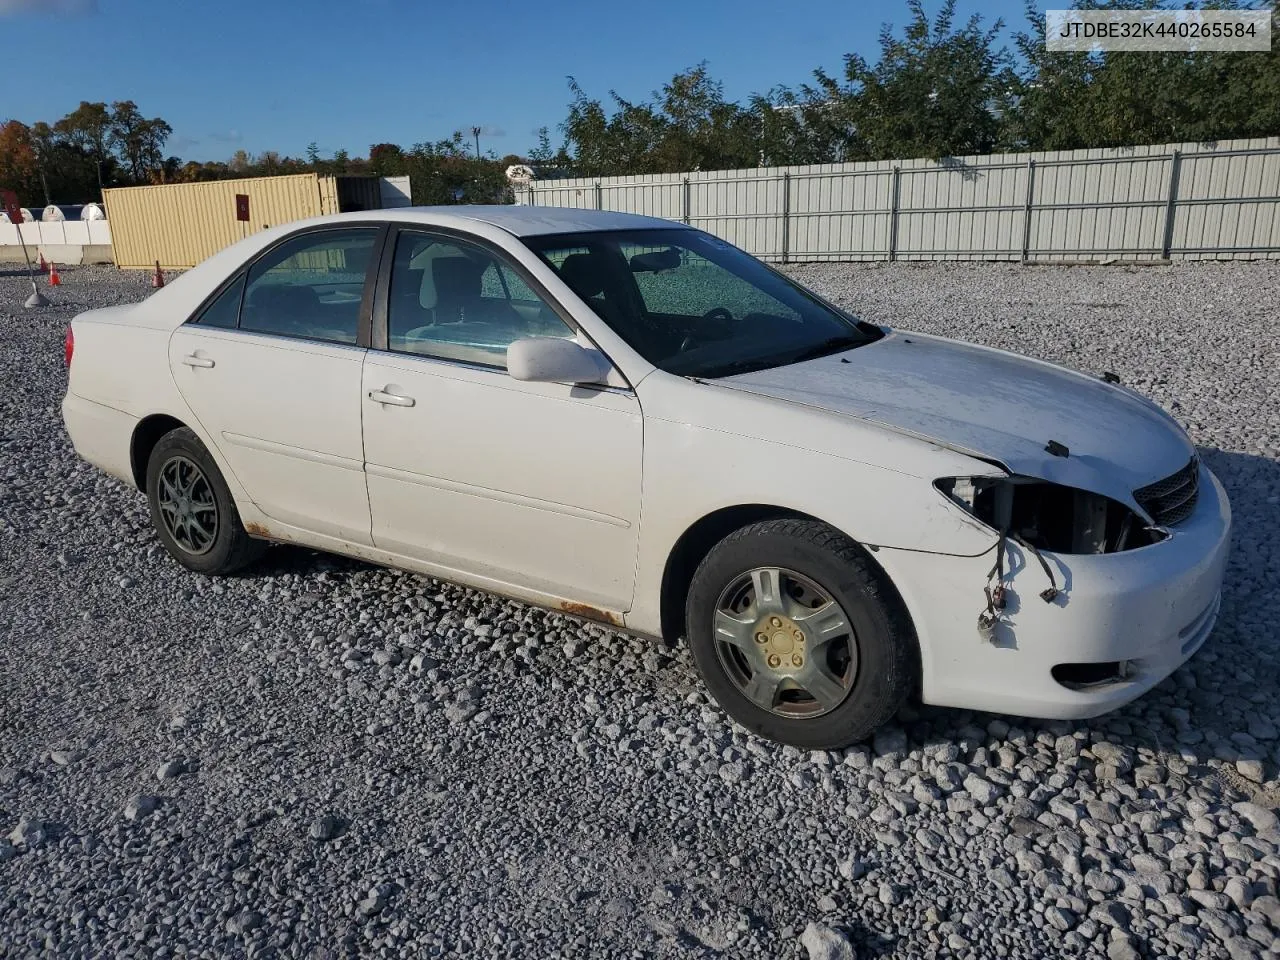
pixel 996 592
pixel 1050 593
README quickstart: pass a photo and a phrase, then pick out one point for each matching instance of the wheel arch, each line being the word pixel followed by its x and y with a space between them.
pixel 145 437
pixel 696 542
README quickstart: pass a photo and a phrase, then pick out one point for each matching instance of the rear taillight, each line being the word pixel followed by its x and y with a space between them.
pixel 71 346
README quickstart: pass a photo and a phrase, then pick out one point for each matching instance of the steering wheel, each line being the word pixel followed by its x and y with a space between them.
pixel 715 313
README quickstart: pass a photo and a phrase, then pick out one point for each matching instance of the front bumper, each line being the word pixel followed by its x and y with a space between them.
pixel 1152 607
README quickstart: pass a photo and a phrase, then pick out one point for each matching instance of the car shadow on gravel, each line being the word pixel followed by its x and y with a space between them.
pixel 1221 705
pixel 286 558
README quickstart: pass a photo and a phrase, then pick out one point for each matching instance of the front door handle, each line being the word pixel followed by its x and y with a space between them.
pixel 191 360
pixel 395 400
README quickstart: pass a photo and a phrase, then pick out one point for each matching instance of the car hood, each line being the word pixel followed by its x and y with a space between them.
pixel 993 405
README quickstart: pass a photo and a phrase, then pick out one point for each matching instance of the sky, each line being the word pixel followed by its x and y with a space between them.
pixel 276 75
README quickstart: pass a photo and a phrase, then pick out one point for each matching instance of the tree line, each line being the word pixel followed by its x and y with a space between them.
pixel 69 161
pixel 97 146
pixel 939 87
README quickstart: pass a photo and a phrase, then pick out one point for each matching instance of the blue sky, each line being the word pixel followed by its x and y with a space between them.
pixel 271 74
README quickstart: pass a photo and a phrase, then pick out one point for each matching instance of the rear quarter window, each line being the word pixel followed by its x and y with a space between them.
pixel 224 312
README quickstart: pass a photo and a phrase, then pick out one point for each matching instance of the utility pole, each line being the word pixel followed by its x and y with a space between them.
pixel 43 182
pixel 475 132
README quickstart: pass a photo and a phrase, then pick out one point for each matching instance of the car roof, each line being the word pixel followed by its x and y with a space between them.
pixel 529 221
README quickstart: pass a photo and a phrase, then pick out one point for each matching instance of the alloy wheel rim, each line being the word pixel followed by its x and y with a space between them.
pixel 188 507
pixel 785 643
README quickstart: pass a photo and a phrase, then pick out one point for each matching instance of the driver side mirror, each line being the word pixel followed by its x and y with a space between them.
pixel 554 360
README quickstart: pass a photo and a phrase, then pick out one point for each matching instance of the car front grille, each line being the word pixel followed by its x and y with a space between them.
pixel 1172 499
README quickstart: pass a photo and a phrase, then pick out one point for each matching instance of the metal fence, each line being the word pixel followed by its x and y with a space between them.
pixel 1184 201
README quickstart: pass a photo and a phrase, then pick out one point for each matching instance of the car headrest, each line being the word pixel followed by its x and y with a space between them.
pixel 456 278
pixel 584 274
pixel 406 284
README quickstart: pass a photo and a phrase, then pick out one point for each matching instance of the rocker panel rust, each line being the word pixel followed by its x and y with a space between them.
pixel 572 608
pixel 590 613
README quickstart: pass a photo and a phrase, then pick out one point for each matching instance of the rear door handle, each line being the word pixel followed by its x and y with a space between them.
pixel 395 400
pixel 191 360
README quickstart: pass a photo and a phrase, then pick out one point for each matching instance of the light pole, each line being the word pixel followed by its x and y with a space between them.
pixel 475 132
pixel 40 168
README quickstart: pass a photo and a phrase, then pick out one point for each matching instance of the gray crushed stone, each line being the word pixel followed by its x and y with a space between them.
pixel 324 758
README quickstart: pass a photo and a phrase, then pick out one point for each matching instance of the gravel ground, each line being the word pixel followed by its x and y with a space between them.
pixel 324 758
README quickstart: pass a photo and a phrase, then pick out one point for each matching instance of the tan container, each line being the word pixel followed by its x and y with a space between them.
pixel 181 224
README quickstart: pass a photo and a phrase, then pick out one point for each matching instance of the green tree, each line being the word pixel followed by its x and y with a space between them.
pixel 703 130
pixel 18 165
pixel 138 140
pixel 87 128
pixel 542 154
pixel 386 159
pixel 936 91
pixel 939 89
pixel 1073 100
pixel 688 125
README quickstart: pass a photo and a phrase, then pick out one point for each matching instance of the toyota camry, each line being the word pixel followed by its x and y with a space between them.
pixel 631 421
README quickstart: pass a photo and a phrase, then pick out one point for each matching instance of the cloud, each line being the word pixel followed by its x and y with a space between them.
pixel 492 132
pixel 180 144
pixel 228 136
pixel 56 8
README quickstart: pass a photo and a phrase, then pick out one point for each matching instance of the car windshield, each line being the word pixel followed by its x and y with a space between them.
pixel 696 306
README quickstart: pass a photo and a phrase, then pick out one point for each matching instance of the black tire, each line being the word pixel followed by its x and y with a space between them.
pixel 888 659
pixel 230 548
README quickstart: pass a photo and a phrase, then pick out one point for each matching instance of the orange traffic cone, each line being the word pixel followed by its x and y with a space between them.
pixel 157 278
pixel 54 279
pixel 44 266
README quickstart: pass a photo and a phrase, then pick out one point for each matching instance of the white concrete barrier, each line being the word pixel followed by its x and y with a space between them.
pixel 64 242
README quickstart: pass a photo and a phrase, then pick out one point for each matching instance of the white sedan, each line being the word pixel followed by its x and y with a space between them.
pixel 634 422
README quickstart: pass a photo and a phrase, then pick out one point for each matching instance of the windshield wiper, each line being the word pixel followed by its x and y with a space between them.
pixel 752 364
pixel 828 346
pixel 731 367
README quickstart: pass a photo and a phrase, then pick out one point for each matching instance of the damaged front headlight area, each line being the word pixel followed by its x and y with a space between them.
pixel 1050 517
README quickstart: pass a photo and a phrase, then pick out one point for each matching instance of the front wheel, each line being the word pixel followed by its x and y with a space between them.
pixel 192 509
pixel 799 636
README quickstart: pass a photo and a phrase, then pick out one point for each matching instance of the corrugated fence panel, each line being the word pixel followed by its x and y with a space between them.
pixel 565 195
pixel 181 224
pixel 651 200
pixel 1100 207
pixel 840 215
pixel 1230 204
pixel 960 209
pixel 744 210
pixel 1071 205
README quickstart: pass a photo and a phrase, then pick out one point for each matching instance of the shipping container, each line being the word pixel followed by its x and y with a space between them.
pixel 180 224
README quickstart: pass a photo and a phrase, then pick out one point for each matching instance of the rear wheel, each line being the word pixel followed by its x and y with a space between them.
pixel 799 636
pixel 192 509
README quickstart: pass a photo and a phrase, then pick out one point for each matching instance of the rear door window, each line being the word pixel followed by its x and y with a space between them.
pixel 310 286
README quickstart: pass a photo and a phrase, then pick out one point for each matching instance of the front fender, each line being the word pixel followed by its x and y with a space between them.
pixel 833 469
